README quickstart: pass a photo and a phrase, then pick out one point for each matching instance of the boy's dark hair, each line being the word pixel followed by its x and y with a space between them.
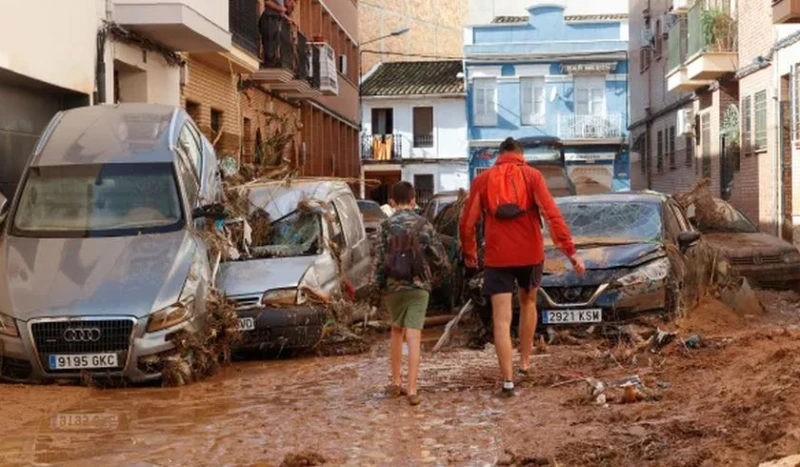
pixel 403 192
pixel 511 145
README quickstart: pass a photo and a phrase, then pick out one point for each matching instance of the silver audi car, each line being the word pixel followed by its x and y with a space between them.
pixel 100 263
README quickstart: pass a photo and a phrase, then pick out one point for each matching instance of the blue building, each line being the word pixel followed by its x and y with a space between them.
pixel 547 74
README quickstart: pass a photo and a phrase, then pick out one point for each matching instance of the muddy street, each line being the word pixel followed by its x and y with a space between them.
pixel 725 398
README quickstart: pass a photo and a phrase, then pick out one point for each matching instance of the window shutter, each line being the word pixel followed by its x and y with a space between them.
pixel 480 105
pixel 526 98
pixel 491 106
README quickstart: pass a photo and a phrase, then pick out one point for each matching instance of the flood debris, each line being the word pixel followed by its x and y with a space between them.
pixel 305 458
pixel 626 391
pixel 511 459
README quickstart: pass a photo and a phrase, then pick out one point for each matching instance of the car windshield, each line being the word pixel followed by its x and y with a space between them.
pixel 98 200
pixel 295 234
pixel 726 219
pixel 542 154
pixel 610 222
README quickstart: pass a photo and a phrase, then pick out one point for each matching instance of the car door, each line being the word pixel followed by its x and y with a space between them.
pixel 356 257
pixel 691 272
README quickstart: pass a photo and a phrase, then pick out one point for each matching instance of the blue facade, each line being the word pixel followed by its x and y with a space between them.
pixel 571 62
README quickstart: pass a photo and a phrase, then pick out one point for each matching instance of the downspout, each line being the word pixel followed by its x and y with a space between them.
pixel 776 80
pixel 649 125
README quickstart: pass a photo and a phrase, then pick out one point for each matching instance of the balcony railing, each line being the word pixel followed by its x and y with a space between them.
pixel 677 45
pixel 590 126
pixel 381 147
pixel 243 19
pixel 712 27
pixel 423 141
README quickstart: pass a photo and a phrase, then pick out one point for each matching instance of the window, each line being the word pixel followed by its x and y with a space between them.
pixel 671 149
pixel 660 151
pixel 423 127
pixel 382 122
pixel 423 184
pixel 484 101
pixel 644 59
pixel 689 151
pixel 216 121
pixel 343 64
pixel 590 94
pixel 348 217
pixel 532 103
pixel 247 129
pixel 336 233
pixel 659 40
pixel 189 141
pixel 760 105
pixel 191 184
pixel 193 109
pixel 747 124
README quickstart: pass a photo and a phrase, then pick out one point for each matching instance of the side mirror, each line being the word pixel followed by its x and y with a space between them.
pixel 687 239
pixel 213 211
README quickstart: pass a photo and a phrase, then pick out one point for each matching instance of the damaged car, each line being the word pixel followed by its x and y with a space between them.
pixel 100 260
pixel 373 216
pixel 307 247
pixel 765 260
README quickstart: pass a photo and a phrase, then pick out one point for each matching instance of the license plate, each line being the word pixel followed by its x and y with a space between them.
pixel 594 315
pixel 247 324
pixel 79 421
pixel 82 361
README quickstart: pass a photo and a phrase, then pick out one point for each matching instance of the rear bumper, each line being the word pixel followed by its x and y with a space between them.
pixel 283 328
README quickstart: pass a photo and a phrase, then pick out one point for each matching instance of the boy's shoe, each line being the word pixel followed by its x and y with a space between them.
pixel 525 371
pixel 506 391
pixel 393 391
pixel 414 399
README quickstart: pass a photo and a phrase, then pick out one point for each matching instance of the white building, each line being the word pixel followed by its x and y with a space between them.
pixel 414 128
pixel 57 54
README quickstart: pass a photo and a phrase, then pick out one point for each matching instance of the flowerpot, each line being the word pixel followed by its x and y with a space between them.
pixel 319 38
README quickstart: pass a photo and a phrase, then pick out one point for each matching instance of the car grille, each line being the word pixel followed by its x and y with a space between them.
pixel 245 301
pixel 568 295
pixel 756 259
pixel 115 336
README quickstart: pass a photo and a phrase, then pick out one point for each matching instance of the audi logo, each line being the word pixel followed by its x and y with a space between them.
pixel 82 334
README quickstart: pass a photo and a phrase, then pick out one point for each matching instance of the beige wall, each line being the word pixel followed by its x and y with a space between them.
pixel 436 29
pixel 52 41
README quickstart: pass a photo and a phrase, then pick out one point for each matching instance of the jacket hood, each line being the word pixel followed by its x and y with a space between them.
pixel 256 276
pixel 130 276
pixel 510 158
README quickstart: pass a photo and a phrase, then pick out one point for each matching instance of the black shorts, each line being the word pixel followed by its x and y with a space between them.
pixel 501 280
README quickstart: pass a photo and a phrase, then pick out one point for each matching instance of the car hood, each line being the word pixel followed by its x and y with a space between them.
pixel 256 276
pixel 130 276
pixel 737 245
pixel 603 263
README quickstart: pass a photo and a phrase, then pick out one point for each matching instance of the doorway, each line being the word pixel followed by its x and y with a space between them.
pixel 380 183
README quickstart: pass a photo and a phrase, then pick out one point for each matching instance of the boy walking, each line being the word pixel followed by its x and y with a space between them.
pixel 510 197
pixel 411 254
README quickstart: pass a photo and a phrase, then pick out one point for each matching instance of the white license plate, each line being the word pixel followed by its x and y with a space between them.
pixel 247 324
pixel 78 421
pixel 82 361
pixel 594 315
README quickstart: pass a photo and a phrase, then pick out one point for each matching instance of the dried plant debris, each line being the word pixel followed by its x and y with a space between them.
pixel 303 459
pixel 702 207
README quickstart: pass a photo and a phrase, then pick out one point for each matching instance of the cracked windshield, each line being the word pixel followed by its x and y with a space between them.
pixel 281 233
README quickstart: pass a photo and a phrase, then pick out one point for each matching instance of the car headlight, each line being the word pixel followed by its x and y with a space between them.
pixel 650 272
pixel 284 297
pixel 8 327
pixel 791 256
pixel 170 316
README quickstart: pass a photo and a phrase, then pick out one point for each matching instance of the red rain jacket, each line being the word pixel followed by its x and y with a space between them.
pixel 514 242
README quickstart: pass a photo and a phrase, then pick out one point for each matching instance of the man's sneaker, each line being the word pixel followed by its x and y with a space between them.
pixel 507 390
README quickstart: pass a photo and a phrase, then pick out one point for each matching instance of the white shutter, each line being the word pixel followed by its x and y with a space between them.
pixel 598 102
pixel 581 101
pixel 485 102
pixel 480 105
pixel 526 100
pixel 491 105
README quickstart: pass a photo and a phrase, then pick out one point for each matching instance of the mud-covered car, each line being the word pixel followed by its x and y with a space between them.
pixel 639 253
pixel 765 260
pixel 315 249
pixel 100 263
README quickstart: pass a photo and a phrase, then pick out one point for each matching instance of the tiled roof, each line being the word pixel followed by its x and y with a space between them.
pixel 415 78
pixel 614 17
pixel 510 19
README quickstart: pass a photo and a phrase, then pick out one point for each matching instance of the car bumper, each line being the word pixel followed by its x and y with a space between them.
pixel 22 361
pixel 770 276
pixel 283 328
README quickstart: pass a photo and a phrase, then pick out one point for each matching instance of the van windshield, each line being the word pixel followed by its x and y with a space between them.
pixel 98 200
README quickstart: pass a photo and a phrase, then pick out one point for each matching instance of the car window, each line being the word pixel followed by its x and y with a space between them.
pixel 189 141
pixel 190 182
pixel 336 232
pixel 682 221
pixel 671 222
pixel 348 214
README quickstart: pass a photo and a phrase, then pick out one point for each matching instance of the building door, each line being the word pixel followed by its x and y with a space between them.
pixel 382 122
pixel 379 185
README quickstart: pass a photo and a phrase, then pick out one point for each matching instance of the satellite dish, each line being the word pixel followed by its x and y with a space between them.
pixel 553 94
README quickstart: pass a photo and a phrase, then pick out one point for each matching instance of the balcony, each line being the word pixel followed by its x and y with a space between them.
pixel 677 46
pixel 381 148
pixel 182 25
pixel 423 141
pixel 290 71
pixel 785 11
pixel 243 25
pixel 712 40
pixel 590 126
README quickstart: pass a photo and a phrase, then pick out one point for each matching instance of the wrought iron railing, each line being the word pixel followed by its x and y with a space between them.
pixel 243 23
pixel 712 27
pixel 423 141
pixel 381 147
pixel 590 126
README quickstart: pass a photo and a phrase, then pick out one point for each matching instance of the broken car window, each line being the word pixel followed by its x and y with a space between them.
pixel 296 234
pixel 610 222
pixel 99 200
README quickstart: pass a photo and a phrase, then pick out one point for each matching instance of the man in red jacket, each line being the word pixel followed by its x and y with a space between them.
pixel 513 247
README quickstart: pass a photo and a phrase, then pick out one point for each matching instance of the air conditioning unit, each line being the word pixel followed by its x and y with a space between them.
pixel 680 5
pixel 647 40
pixel 324 72
pixel 684 123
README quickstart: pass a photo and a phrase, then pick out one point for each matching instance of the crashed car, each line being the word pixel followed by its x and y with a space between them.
pixel 314 249
pixel 765 260
pixel 99 258
pixel 639 253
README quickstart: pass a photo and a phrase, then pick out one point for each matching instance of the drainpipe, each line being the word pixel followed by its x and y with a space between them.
pixel 776 80
pixel 100 68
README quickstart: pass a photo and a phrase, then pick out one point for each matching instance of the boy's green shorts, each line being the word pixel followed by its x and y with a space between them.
pixel 408 307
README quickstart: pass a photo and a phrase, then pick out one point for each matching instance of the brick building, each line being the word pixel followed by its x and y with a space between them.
pixel 241 103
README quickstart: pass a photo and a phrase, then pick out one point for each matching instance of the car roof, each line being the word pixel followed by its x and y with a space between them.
pixel 280 198
pixel 121 133
pixel 616 197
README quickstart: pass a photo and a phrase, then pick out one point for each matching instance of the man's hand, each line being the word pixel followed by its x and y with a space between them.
pixel 577 264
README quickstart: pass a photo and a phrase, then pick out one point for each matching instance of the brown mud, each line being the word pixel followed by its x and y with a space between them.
pixel 727 397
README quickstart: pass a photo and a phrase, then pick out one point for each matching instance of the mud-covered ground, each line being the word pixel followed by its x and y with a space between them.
pixel 728 399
